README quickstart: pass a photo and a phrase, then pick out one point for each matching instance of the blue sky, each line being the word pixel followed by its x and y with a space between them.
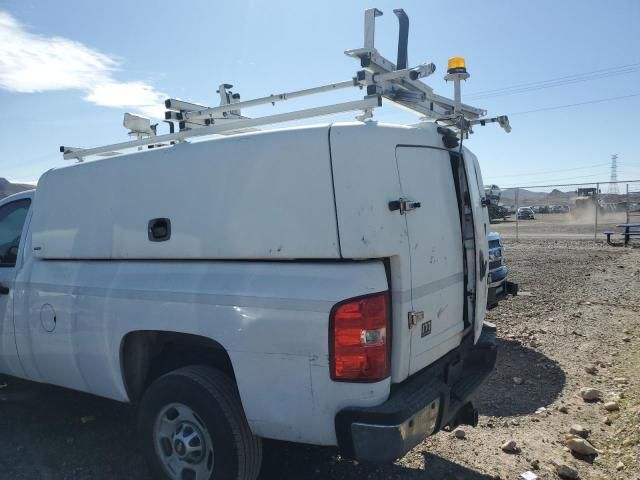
pixel 69 69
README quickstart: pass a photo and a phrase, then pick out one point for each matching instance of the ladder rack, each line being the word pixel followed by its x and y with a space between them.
pixel 380 77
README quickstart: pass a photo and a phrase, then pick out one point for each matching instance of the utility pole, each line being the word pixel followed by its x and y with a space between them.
pixel 613 185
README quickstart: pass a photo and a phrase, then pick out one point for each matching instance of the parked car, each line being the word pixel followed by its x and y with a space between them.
pixel 526 213
pixel 497 270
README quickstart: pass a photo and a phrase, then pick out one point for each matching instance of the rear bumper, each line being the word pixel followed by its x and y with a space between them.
pixel 439 395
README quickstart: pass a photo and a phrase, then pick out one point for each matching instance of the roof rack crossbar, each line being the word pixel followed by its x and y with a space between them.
pixel 213 111
pixel 365 104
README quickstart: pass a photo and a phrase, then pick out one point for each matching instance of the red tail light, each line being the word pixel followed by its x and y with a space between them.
pixel 359 344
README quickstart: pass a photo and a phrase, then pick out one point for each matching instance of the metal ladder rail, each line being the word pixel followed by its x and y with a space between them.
pixel 367 103
pixel 360 81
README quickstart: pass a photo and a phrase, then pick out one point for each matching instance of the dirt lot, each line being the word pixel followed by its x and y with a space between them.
pixel 580 307
pixel 561 226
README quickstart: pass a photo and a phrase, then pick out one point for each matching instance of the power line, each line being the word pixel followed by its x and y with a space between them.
pixel 602 174
pixel 556 84
pixel 570 184
pixel 483 92
pixel 552 171
pixel 632 166
pixel 559 107
pixel 558 81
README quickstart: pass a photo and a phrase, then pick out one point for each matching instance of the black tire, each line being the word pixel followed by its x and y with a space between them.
pixel 215 400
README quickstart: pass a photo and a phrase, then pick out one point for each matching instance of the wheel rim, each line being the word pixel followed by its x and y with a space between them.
pixel 183 443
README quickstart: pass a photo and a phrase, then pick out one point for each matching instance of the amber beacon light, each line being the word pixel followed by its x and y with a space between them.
pixel 456 65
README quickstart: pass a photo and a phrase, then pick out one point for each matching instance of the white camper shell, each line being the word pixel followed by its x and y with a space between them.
pixel 327 197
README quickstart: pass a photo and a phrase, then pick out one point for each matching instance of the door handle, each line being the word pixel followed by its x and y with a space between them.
pixel 4 290
pixel 403 205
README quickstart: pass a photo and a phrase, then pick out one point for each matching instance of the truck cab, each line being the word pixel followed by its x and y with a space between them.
pixel 14 216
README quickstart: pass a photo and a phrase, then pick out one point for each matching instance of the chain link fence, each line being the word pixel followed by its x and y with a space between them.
pixel 568 211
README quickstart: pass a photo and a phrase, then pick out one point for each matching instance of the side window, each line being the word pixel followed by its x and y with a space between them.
pixel 12 217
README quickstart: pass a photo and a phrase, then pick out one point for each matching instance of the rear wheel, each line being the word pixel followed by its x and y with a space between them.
pixel 193 428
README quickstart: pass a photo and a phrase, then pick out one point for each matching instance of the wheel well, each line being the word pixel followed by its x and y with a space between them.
pixel 148 354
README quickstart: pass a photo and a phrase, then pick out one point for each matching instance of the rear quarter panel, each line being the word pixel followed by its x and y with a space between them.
pixel 271 317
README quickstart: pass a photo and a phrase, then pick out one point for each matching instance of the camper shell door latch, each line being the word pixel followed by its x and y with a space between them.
pixel 404 205
pixel 415 317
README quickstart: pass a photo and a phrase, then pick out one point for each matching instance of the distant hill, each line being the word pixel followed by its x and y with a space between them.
pixel 508 196
pixel 7 188
pixel 555 197
pixel 527 197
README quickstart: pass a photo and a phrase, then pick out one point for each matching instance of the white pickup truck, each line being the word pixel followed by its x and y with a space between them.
pixel 323 284
pixel 262 285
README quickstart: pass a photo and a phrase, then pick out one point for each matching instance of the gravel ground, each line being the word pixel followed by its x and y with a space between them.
pixel 579 307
